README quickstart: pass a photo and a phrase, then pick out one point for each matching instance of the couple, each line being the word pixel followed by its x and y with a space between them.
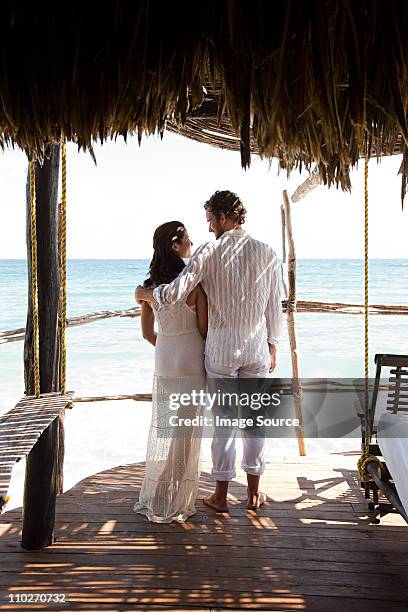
pixel 219 316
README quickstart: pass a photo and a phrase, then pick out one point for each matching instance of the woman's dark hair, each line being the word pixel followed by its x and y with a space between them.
pixel 165 264
pixel 228 203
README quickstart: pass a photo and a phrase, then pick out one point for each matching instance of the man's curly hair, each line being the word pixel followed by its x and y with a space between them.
pixel 228 203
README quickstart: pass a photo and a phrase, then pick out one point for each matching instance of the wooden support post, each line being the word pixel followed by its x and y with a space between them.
pixel 283 221
pixel 283 266
pixel 291 308
pixel 41 478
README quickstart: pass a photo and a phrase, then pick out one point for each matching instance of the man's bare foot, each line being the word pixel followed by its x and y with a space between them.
pixel 256 501
pixel 214 503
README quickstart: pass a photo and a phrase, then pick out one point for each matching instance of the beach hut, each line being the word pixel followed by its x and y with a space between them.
pixel 318 85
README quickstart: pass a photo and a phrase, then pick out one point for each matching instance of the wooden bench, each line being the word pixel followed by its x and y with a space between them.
pixel 21 430
pixel 397 365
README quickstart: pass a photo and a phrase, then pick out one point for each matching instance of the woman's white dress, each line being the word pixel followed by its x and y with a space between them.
pixel 173 461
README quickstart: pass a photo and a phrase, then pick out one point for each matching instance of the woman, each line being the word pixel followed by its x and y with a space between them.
pixel 170 485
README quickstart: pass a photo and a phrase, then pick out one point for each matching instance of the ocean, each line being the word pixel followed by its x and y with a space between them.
pixel 110 357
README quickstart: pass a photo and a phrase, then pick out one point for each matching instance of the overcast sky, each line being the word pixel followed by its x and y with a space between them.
pixel 114 207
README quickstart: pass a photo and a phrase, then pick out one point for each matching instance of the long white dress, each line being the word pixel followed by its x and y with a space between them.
pixel 173 461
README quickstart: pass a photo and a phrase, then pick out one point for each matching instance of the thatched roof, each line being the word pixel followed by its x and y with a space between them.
pixel 303 81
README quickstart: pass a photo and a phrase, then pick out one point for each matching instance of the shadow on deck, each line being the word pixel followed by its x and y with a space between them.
pixel 311 547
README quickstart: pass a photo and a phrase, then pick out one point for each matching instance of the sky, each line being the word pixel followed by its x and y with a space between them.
pixel 114 207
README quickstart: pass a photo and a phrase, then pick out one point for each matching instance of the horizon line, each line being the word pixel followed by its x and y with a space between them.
pixel 148 258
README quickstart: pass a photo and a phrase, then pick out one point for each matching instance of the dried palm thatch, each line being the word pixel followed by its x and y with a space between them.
pixel 305 82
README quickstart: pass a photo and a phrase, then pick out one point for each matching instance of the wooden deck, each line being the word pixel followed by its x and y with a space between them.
pixel 312 547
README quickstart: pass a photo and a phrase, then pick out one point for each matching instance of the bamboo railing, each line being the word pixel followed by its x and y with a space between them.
pixel 302 306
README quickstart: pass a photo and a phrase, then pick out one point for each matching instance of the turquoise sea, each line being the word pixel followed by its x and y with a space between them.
pixel 110 357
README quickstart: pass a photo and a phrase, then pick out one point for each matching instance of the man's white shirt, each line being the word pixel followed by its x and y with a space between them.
pixel 240 276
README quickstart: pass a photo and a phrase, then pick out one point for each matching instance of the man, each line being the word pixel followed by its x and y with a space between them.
pixel 240 277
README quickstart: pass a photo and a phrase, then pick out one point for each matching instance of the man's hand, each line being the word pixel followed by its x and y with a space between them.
pixel 272 355
pixel 143 295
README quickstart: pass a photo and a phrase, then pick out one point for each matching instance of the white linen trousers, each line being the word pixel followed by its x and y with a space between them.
pixel 223 443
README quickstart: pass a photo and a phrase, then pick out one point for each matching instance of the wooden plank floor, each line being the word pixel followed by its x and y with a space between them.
pixel 312 547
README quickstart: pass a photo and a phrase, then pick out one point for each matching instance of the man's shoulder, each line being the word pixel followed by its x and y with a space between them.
pixel 204 250
pixel 263 247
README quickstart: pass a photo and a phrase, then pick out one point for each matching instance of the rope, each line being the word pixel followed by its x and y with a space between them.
pixel 362 464
pixel 63 269
pixel 34 281
pixel 290 305
pixel 366 321
pixel 366 457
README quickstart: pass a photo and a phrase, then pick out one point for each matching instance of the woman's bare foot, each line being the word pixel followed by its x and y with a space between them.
pixel 256 501
pixel 216 504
